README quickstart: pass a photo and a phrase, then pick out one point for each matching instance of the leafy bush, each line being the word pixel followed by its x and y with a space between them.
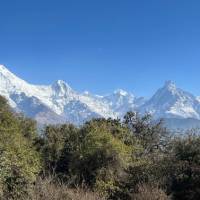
pixel 54 140
pixel 184 168
pixel 19 162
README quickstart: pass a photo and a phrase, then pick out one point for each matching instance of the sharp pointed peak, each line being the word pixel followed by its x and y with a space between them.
pixel 121 92
pixel 61 84
pixel 170 85
pixel 3 68
pixel 7 74
pixel 169 82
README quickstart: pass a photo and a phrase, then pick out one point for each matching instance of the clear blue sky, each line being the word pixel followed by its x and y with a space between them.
pixel 101 45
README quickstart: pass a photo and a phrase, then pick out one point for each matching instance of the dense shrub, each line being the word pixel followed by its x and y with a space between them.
pixel 97 154
pixel 104 157
pixel 53 142
pixel 19 162
pixel 153 136
pixel 183 168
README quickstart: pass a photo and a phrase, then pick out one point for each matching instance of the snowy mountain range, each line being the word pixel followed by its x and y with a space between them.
pixel 59 103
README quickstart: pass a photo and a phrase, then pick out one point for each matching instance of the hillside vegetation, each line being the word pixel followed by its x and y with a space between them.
pixel 133 159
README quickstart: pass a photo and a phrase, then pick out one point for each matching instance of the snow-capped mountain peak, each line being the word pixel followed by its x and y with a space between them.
pixel 120 102
pixel 170 85
pixel 60 103
pixel 3 69
pixel 62 84
pixel 9 80
pixel 58 98
pixel 61 88
pixel 170 101
pixel 120 92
